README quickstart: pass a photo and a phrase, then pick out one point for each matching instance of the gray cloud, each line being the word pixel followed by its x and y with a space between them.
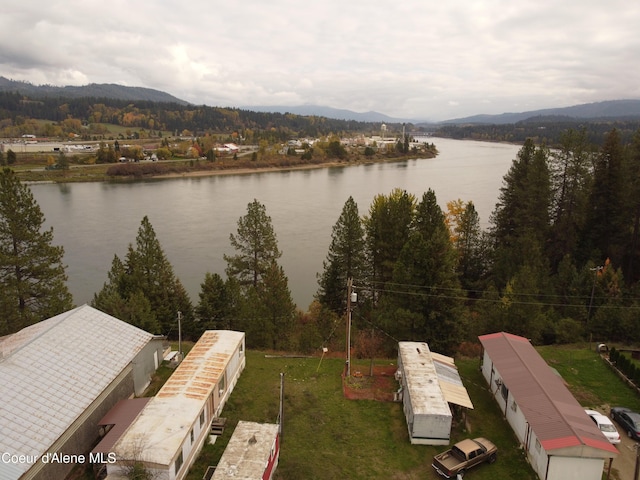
pixel 414 59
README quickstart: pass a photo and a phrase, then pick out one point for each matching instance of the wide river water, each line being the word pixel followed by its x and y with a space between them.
pixel 193 216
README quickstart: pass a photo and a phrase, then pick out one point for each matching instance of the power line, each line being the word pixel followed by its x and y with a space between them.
pixel 462 294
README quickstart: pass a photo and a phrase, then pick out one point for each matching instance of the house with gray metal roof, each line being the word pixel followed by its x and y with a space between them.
pixel 58 378
pixel 430 383
pixel 560 441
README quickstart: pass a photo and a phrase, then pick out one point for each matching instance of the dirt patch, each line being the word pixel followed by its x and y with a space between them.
pixel 380 387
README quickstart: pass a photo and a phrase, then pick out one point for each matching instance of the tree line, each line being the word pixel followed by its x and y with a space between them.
pixel 559 262
pixel 547 130
pixel 83 116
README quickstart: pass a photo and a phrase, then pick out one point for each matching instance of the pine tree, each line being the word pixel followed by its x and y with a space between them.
pixel 345 259
pixel 257 246
pixel 277 306
pixel 468 242
pixel 425 284
pixel 570 181
pixel 387 228
pixel 32 275
pixel 606 226
pixel 214 310
pixel 147 273
pixel 520 222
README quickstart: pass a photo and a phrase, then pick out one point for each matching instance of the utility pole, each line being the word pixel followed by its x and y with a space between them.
pixel 593 289
pixel 180 334
pixel 349 287
pixel 281 414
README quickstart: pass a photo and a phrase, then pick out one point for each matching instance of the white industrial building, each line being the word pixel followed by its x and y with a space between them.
pixel 559 439
pixel 58 378
pixel 169 432
pixel 429 383
pixel 251 454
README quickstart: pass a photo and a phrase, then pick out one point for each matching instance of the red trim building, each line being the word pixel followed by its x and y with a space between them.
pixel 560 440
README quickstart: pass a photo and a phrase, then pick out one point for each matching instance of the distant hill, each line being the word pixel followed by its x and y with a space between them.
pixel 618 109
pixel 328 112
pixel 96 90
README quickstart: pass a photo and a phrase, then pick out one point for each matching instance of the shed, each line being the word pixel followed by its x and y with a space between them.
pixel 561 442
pixel 429 382
pixel 58 378
pixel 251 454
pixel 169 432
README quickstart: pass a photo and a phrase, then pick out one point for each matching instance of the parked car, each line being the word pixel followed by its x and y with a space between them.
pixel 605 425
pixel 464 455
pixel 628 420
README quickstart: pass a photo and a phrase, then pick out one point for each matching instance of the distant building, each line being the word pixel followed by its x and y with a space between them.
pixel 58 378
pixel 169 432
pixel 429 383
pixel 251 454
pixel 559 439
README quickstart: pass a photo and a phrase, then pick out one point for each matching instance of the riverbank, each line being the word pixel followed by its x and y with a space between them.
pixel 192 168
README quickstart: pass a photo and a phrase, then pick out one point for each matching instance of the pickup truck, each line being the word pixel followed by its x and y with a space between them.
pixel 464 455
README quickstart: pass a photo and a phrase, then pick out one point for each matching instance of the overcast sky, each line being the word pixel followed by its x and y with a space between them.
pixel 419 59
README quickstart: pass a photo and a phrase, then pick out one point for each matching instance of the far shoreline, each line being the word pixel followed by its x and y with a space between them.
pixel 275 168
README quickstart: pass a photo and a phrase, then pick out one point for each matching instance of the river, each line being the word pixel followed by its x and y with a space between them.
pixel 193 216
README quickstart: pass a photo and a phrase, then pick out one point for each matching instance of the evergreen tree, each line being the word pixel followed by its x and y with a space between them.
pixel 607 223
pixel 11 157
pixel 570 182
pixel 468 242
pixel 277 306
pixel 215 308
pixel 425 285
pixel 520 222
pixel 147 273
pixel 32 275
pixel 632 257
pixel 345 259
pixel 257 246
pixel 388 227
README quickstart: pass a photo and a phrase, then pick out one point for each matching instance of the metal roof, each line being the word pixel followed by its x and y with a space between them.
pixel 248 451
pixel 120 417
pixel 52 371
pixel 450 382
pixel 163 425
pixel 432 380
pixel 555 416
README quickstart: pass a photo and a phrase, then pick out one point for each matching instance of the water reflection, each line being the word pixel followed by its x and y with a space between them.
pixel 193 216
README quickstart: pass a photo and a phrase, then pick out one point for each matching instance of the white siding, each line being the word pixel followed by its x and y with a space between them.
pixel 571 468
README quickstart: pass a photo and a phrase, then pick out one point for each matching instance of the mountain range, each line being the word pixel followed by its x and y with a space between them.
pixel 95 90
pixel 612 109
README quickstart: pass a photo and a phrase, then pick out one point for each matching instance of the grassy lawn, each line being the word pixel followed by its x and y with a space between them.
pixel 326 436
pixel 589 378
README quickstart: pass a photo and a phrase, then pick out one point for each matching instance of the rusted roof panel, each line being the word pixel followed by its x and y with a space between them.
pixel 166 420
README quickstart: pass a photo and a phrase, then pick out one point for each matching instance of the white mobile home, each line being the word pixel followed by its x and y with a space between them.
pixel 169 432
pixel 429 383
pixel 561 442
pixel 252 452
